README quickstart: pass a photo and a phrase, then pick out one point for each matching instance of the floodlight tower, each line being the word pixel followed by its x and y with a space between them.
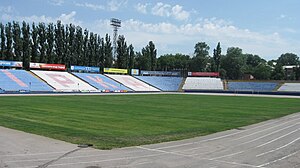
pixel 115 23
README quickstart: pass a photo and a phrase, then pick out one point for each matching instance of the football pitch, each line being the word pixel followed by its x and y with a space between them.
pixel 114 121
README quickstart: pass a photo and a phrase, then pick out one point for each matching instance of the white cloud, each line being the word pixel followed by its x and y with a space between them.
pixel 91 6
pixel 142 8
pixel 56 2
pixel 161 9
pixel 114 5
pixel 166 10
pixel 171 38
pixel 64 18
pixel 282 16
pixel 6 9
pixel 180 14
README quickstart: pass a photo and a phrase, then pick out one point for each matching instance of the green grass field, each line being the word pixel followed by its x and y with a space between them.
pixel 125 120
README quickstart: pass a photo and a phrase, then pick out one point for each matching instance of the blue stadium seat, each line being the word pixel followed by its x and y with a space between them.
pixel 252 86
pixel 101 82
pixel 21 80
pixel 163 83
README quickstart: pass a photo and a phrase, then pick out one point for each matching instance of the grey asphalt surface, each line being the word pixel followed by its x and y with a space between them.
pixel 274 143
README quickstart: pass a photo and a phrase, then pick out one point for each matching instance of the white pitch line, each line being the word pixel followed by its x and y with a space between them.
pixel 100 161
pixel 224 136
pixel 265 129
pixel 236 153
pixel 277 138
pixel 276 149
pixel 235 163
pixel 69 157
pixel 232 154
pixel 282 158
pixel 267 134
pixel 193 156
pixel 33 154
pixel 162 151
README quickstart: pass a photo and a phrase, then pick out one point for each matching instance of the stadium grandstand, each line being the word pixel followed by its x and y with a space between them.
pixel 133 83
pixel 21 81
pixel 164 83
pixel 252 86
pixel 64 81
pixel 290 87
pixel 102 82
pixel 203 83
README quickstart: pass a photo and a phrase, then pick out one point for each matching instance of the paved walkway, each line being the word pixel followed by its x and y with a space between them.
pixel 274 143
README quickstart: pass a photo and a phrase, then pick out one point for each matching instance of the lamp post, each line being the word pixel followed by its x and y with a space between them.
pixel 115 23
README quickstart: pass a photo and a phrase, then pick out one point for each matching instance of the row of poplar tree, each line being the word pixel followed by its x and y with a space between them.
pixel 71 45
pixel 67 44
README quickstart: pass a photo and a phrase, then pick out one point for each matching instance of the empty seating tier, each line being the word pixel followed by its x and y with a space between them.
pixel 102 82
pixel 290 87
pixel 252 86
pixel 21 80
pixel 202 83
pixel 133 83
pixel 64 81
pixel 163 83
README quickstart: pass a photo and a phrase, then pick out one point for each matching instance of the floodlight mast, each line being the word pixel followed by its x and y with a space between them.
pixel 115 23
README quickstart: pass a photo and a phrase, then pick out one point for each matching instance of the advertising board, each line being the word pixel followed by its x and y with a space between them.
pixel 115 70
pixel 15 64
pixel 85 68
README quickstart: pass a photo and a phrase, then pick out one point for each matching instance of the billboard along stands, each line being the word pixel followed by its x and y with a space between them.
pixel 133 83
pixel 64 82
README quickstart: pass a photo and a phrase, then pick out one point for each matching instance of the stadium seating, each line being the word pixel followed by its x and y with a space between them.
pixel 21 80
pixel 252 86
pixel 64 81
pixel 163 83
pixel 290 87
pixel 102 82
pixel 132 83
pixel 202 83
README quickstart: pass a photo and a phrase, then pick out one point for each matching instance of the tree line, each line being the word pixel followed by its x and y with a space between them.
pixel 72 45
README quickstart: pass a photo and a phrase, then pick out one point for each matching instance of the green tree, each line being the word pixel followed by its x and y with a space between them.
pixel 217 57
pixel 91 49
pixel 9 40
pixel 131 56
pixel 108 57
pixel 278 72
pixel 233 63
pixel 17 44
pixel 50 43
pixel 35 45
pixel 26 45
pixel 99 51
pixel 262 72
pixel 200 60
pixel 78 45
pixel 288 59
pixel 122 53
pixel 152 53
pixel 84 59
pixel 59 42
pixel 142 60
pixel 42 42
pixel 2 49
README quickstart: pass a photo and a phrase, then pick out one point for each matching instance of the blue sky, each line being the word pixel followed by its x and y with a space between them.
pixel 268 28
